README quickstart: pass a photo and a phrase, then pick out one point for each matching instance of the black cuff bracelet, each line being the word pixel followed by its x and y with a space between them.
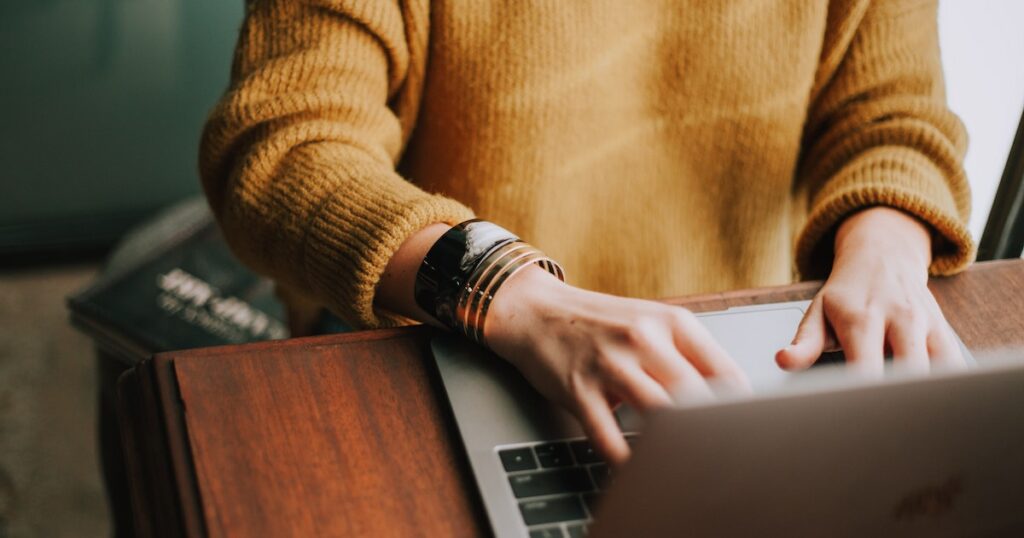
pixel 448 264
pixel 460 266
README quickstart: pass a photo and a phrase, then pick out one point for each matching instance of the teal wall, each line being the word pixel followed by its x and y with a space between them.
pixel 102 104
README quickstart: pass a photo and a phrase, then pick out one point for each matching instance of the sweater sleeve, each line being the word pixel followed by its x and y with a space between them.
pixel 879 132
pixel 298 158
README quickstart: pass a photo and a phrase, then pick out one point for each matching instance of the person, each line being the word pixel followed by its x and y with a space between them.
pixel 651 149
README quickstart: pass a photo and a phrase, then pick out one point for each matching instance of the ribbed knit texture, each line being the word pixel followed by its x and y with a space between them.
pixel 653 148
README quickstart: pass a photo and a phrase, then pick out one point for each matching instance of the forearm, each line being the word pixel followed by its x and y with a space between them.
pixel 299 170
pixel 395 290
pixel 880 133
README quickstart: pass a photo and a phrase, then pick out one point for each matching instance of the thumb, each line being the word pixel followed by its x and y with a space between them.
pixel 809 341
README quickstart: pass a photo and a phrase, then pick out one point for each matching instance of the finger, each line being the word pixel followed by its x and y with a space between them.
pixel 809 342
pixel 638 389
pixel 909 342
pixel 601 428
pixel 943 348
pixel 706 356
pixel 673 371
pixel 831 343
pixel 862 338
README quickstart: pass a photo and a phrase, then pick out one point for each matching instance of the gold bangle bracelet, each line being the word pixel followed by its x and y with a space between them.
pixel 491 268
pixel 490 287
pixel 510 270
pixel 485 280
pixel 477 281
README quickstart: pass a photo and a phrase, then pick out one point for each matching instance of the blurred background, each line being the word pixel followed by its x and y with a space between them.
pixel 102 103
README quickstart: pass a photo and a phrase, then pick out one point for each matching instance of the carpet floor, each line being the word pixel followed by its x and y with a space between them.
pixel 49 466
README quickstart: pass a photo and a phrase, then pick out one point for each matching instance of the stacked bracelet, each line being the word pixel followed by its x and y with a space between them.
pixel 465 268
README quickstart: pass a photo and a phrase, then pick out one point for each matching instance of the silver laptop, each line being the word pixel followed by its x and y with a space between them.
pixel 809 454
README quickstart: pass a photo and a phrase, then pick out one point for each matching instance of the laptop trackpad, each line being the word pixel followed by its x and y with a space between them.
pixel 751 336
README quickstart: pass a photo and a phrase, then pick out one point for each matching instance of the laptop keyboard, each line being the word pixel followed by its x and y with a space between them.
pixel 556 485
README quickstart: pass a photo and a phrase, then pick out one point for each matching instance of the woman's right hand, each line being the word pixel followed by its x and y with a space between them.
pixel 589 351
pixel 586 351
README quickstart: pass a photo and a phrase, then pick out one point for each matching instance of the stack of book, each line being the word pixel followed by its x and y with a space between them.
pixel 173 284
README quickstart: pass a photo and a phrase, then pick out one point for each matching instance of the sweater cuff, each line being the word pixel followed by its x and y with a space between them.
pixel 354 235
pixel 900 178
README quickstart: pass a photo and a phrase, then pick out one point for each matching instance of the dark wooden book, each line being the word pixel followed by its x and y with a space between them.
pixel 174 284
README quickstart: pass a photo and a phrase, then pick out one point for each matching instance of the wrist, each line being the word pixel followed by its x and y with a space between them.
pixel 466 267
pixel 884 231
pixel 517 304
pixel 395 291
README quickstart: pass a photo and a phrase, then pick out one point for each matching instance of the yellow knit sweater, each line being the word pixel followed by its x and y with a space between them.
pixel 654 148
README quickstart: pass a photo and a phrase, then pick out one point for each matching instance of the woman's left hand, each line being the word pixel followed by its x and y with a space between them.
pixel 876 300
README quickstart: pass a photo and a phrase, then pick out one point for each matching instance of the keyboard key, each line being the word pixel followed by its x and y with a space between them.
pixel 602 475
pixel 551 510
pixel 631 438
pixel 590 499
pixel 830 357
pixel 577 531
pixel 518 459
pixel 553 455
pixel 547 532
pixel 573 480
pixel 584 452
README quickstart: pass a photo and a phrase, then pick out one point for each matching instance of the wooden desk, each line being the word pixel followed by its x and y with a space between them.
pixel 349 435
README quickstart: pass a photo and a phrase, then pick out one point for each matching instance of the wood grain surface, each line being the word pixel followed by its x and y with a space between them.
pixel 349 435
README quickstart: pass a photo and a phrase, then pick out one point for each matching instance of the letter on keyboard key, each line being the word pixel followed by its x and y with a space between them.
pixel 577 531
pixel 553 454
pixel 551 510
pixel 573 480
pixel 517 459
pixel 584 452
